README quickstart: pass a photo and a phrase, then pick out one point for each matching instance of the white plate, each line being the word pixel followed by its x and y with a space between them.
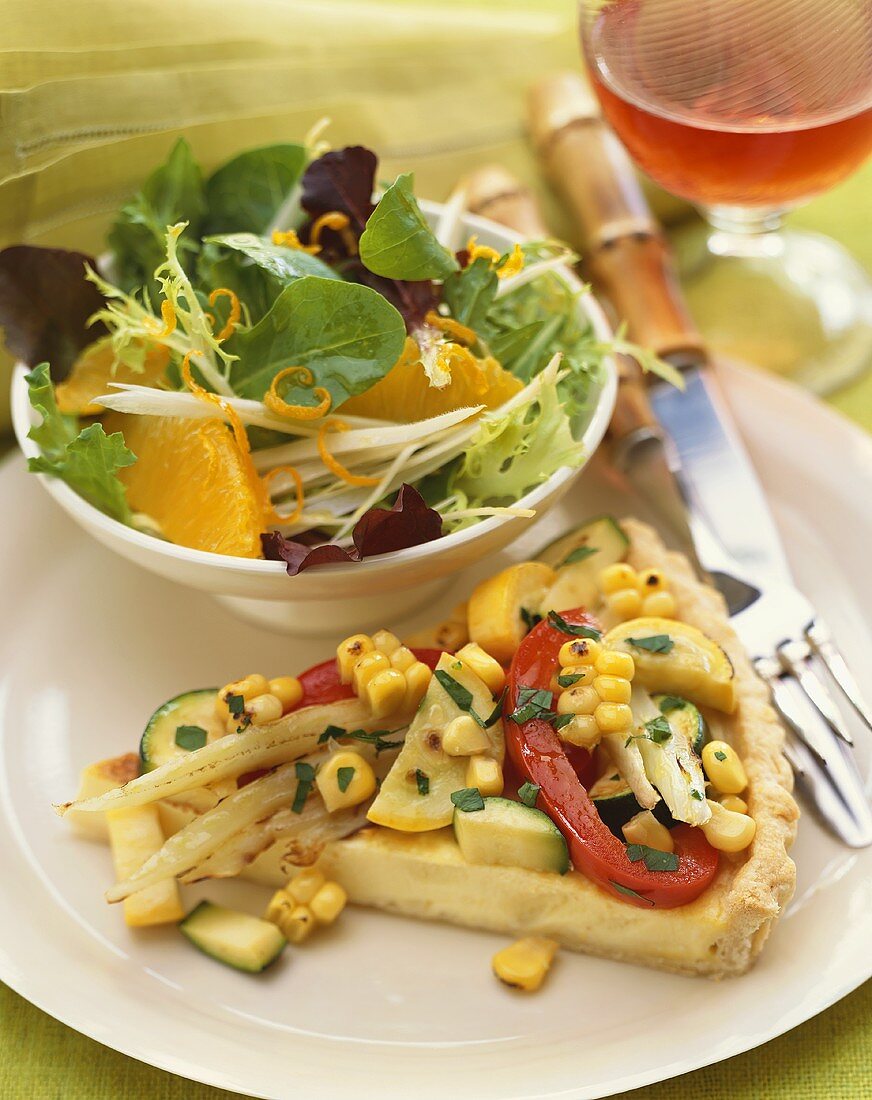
pixel 379 1006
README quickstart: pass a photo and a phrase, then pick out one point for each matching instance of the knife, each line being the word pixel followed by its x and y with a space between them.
pixel 714 492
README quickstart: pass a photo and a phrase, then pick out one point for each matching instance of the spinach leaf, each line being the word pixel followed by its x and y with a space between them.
pixel 245 193
pixel 347 335
pixel 398 243
pixel 470 293
pixel 172 193
pixel 507 346
pixel 283 264
pixel 88 461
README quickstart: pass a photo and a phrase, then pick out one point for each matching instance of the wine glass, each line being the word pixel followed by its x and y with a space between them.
pixel 748 108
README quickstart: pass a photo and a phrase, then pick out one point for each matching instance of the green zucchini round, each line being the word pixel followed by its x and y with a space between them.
pixel 194 709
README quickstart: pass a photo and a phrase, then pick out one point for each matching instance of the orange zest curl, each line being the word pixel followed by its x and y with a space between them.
pixel 167 311
pixel 233 316
pixel 289 238
pixel 481 251
pixel 286 517
pixel 513 264
pixel 450 326
pixel 277 404
pixel 333 464
pixel 240 435
pixel 334 219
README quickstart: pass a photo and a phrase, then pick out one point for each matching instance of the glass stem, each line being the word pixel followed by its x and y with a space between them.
pixel 745 230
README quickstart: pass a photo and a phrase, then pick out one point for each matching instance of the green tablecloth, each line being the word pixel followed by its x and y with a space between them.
pixel 92 93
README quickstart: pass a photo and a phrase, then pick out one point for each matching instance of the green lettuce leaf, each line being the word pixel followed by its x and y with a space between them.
pixel 88 461
pixel 172 193
pixel 245 194
pixel 347 335
pixel 398 243
pixel 511 454
pixel 470 293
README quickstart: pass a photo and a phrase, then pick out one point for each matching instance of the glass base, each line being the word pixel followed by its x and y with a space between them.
pixel 794 303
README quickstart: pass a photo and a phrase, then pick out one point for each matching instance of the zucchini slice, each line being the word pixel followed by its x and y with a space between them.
pixel 194 709
pixel 510 834
pixel 670 758
pixel 233 938
pixel 579 557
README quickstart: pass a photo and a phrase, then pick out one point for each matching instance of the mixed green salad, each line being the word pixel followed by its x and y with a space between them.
pixel 271 363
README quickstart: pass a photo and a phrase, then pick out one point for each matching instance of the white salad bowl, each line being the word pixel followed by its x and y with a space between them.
pixel 331 599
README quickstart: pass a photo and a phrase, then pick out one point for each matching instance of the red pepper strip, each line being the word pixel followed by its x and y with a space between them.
pixel 321 683
pixel 539 754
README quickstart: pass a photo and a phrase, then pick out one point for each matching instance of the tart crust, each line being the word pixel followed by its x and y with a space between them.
pixel 721 933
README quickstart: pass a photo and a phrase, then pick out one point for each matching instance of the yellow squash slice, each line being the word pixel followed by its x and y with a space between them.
pixel 496 622
pixel 677 659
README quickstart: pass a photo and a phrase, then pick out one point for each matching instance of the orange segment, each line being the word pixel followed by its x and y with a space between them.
pixel 92 372
pixel 405 393
pixel 190 477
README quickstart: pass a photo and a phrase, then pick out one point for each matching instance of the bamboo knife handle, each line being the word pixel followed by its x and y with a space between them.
pixel 626 253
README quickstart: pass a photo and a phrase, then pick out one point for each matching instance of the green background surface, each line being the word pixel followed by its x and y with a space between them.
pixel 93 93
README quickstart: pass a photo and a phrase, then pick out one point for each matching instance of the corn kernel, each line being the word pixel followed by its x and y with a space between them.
pixel 582 731
pixel 579 651
pixel 487 668
pixel 524 964
pixel 644 828
pixel 659 605
pixel 328 903
pixel 728 831
pixel 451 635
pixel 417 681
pixel 386 692
pixel 341 791
pixel 288 690
pixel 369 665
pixel 486 774
pixel 651 580
pixel 625 603
pixel 613 717
pixel 402 658
pixel 298 925
pixel 263 709
pixel 305 885
pixel 611 662
pixel 280 904
pixel 385 642
pixel 613 689
pixel 617 576
pixel 249 688
pixel 464 737
pixel 349 652
pixel 578 700
pixel 724 768
pixel 586 675
pixel 734 803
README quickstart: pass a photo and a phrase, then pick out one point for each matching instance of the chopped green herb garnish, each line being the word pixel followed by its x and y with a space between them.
pixel 658 730
pixel 190 737
pixel 344 777
pixel 569 679
pixel 528 793
pixel 561 720
pixel 458 665
pixel 672 702
pixel 630 893
pixel 305 778
pixel 332 731
pixel 497 711
pixel 694 794
pixel 236 705
pixel 653 858
pixel 720 755
pixel 580 553
pixel 460 695
pixel 469 799
pixel 423 781
pixel 572 629
pixel 653 643
pixel 530 619
pixel 532 703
